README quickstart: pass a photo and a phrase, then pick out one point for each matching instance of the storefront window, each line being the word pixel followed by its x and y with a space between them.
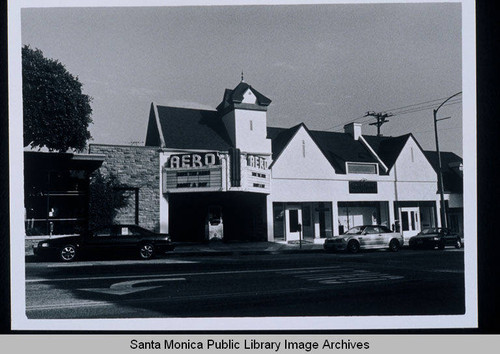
pixel 362 213
pixel 56 202
pixel 427 217
pixel 315 218
pixel 67 180
pixel 306 215
pixel 361 168
pixel 324 212
pixel 279 224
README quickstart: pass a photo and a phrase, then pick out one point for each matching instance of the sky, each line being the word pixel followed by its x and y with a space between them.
pixel 324 65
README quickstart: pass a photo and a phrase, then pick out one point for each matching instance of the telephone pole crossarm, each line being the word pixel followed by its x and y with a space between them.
pixel 381 118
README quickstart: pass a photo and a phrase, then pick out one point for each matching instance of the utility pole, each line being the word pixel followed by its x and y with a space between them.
pixel 381 119
pixel 444 216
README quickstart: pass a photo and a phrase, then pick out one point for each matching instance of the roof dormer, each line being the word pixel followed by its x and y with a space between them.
pixel 243 96
pixel 249 97
pixel 244 113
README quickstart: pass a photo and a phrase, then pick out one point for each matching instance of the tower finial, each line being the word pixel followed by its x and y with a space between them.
pixel 242 80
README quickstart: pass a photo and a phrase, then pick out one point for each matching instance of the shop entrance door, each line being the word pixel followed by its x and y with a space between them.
pixel 410 222
pixel 294 218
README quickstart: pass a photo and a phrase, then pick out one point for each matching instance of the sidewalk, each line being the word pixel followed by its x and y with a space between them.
pixel 244 248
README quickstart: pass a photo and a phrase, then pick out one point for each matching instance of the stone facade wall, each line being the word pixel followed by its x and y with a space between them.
pixel 135 167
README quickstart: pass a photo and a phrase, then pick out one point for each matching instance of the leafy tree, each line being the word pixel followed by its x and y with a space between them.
pixel 105 199
pixel 56 112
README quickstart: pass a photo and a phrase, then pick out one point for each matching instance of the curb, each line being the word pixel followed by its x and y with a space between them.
pixel 208 253
pixel 242 252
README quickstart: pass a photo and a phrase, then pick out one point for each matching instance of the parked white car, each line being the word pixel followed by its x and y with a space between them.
pixel 365 237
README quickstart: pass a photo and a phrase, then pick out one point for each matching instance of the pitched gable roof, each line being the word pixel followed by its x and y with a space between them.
pixel 153 135
pixel 196 129
pixel 185 128
pixel 452 174
pixel 236 96
pixel 338 148
pixel 387 148
pixel 280 137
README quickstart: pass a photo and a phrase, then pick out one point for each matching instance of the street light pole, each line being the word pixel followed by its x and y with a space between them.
pixel 443 213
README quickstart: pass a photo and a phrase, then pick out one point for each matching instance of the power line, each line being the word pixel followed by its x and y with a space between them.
pixel 417 107
pixel 426 107
pixel 342 124
pixel 440 129
pixel 436 101
pixel 339 126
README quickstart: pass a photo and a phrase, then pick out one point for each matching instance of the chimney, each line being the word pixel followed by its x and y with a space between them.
pixel 353 129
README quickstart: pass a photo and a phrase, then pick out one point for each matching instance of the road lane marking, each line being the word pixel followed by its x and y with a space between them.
pixel 104 263
pixel 69 305
pixel 40 280
pixel 368 279
pixel 310 271
pixel 128 287
pixel 285 271
pixel 169 299
pixel 342 276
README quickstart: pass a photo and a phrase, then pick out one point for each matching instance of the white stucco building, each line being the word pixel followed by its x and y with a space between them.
pixel 225 173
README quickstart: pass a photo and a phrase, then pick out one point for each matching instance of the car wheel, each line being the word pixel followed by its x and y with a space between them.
pixel 353 246
pixel 146 251
pixel 441 246
pixel 458 243
pixel 67 253
pixel 394 245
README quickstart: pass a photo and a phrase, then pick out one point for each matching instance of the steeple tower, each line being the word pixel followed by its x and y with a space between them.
pixel 244 113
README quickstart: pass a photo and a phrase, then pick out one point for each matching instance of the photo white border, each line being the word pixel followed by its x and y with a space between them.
pixel 18 303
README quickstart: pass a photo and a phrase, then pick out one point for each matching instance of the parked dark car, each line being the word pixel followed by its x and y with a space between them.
pixel 365 237
pixel 435 237
pixel 109 240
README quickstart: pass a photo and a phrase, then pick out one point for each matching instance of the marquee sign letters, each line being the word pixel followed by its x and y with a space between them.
pixel 193 160
pixel 257 162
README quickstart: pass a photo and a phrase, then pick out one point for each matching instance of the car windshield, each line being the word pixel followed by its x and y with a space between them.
pixel 355 230
pixel 385 229
pixel 429 231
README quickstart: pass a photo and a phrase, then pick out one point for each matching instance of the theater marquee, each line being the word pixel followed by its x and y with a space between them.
pixel 206 172
pixel 192 172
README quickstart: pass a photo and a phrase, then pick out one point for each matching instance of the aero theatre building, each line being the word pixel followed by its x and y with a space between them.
pixel 225 174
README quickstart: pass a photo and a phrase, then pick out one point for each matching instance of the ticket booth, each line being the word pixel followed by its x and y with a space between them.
pixel 214 223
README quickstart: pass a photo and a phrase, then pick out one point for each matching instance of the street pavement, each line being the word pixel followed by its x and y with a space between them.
pixel 228 248
pixel 246 280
